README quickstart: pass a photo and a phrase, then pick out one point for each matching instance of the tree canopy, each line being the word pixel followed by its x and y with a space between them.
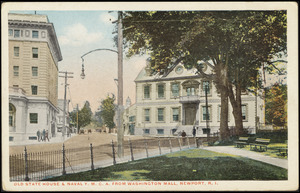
pixel 108 111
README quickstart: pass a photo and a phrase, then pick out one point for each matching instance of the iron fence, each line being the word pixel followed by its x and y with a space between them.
pixel 35 166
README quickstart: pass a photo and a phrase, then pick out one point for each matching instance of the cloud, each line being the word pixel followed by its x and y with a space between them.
pixel 78 35
pixel 107 18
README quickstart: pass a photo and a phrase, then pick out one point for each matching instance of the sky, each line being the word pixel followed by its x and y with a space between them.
pixel 79 32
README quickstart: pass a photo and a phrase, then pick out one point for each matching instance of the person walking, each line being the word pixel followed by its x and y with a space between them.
pixel 38 133
pixel 46 135
pixel 194 131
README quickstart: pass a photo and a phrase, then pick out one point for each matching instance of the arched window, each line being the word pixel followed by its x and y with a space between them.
pixel 190 88
pixel 12 115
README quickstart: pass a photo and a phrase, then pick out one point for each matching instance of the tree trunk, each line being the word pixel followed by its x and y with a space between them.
pixel 236 103
pixel 224 131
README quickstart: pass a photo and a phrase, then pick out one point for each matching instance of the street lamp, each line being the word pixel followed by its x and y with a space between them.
pixel 120 134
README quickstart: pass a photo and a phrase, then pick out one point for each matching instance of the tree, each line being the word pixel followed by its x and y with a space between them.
pixel 233 43
pixel 84 116
pixel 108 111
pixel 276 105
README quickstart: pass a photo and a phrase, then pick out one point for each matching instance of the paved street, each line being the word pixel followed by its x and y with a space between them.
pixel 283 163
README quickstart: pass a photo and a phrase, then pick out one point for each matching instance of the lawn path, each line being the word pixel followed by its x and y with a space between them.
pixel 283 163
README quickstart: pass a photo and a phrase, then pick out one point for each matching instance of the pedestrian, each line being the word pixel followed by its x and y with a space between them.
pixel 183 135
pixel 194 131
pixel 46 135
pixel 38 133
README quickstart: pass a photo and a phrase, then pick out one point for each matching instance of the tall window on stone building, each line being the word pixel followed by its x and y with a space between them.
pixel 34 71
pixel 205 113
pixel 161 91
pixel 12 115
pixel 16 70
pixel 34 90
pixel 206 85
pixel 175 113
pixel 16 51
pixel 175 89
pixel 160 114
pixel 33 117
pixel 10 32
pixel 147 91
pixel 35 52
pixel 35 34
pixel 244 112
pixel 16 33
pixel 190 91
pixel 147 115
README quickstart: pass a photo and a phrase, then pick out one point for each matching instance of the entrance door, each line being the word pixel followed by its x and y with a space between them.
pixel 190 114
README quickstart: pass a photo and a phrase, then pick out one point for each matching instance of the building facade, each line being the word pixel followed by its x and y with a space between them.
pixel 34 54
pixel 60 117
pixel 171 102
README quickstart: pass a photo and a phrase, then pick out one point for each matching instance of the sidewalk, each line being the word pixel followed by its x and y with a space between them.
pixel 283 163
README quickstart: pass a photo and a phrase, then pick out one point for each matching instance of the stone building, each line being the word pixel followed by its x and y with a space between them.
pixel 60 117
pixel 173 101
pixel 34 54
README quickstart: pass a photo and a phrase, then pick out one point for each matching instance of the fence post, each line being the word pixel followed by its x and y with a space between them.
pixel 179 143
pixel 64 159
pixel 113 152
pixel 131 150
pixel 26 165
pixel 170 145
pixel 159 146
pixel 92 157
pixel 146 147
pixel 188 140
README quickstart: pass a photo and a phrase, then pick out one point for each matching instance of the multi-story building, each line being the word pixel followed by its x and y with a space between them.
pixel 34 54
pixel 61 117
pixel 169 102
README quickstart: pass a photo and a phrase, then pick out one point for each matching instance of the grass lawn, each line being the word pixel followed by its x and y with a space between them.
pixel 195 164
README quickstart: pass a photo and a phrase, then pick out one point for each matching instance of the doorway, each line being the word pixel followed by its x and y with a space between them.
pixel 190 111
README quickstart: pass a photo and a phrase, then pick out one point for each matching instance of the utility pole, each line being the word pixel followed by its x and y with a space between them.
pixel 120 134
pixel 77 119
pixel 207 115
pixel 65 96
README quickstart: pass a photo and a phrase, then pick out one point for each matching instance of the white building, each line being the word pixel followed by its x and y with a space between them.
pixel 34 54
pixel 175 101
pixel 60 116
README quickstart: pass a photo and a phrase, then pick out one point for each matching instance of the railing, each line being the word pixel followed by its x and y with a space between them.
pixel 17 90
pixel 192 98
pixel 34 166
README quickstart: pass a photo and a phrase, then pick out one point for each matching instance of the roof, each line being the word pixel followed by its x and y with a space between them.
pixel 28 17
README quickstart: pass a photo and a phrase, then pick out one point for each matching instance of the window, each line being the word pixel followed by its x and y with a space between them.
pixel 205 114
pixel 206 130
pixel 12 115
pixel 16 51
pixel 16 70
pixel 16 33
pixel 147 92
pixel 33 117
pixel 161 90
pixel 131 118
pixel 175 89
pixel 146 131
pixel 190 91
pixel 160 114
pixel 175 113
pixel 244 112
pixel 160 131
pixel 34 71
pixel 206 85
pixel 35 34
pixel 10 32
pixel 35 52
pixel 16 86
pixel 147 115
pixel 34 90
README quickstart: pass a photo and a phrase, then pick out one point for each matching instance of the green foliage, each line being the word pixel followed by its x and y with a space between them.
pixel 276 105
pixel 84 116
pixel 108 111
